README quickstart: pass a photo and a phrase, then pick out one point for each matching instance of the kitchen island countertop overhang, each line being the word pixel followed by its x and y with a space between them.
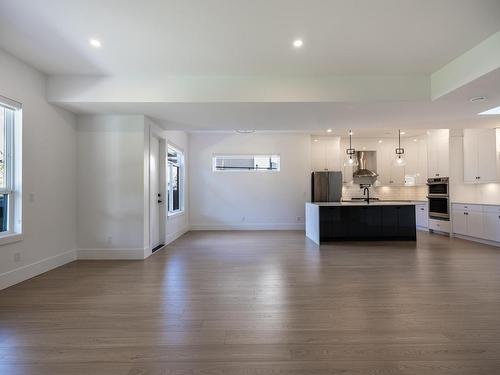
pixel 361 221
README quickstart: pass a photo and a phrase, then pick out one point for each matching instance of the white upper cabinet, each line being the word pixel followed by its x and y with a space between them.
pixel 481 155
pixel 384 160
pixel 470 156
pixel 325 154
pixel 438 146
pixel 388 173
pixel 397 174
pixel 416 160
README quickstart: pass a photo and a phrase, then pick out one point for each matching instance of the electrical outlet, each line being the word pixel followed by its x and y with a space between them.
pixel 17 257
pixel 243 218
pixel 31 197
pixel 299 218
pixel 109 240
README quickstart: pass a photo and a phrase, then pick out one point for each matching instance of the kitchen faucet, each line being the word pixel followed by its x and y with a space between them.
pixel 366 191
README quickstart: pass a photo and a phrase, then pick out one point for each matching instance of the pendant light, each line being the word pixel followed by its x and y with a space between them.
pixel 351 160
pixel 399 160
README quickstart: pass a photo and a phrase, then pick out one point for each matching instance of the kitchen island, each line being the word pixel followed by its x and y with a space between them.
pixel 361 221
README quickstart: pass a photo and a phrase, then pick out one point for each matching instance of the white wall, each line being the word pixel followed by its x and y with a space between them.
pixel 111 185
pixel 49 164
pixel 178 224
pixel 249 200
pixel 468 193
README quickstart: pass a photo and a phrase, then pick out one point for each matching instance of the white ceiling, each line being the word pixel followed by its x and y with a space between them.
pixel 299 116
pixel 157 51
pixel 379 133
pixel 241 37
pixel 452 111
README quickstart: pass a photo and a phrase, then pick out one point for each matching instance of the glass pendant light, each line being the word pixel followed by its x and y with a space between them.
pixel 351 159
pixel 399 160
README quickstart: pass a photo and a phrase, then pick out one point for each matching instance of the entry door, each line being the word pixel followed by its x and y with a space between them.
pixel 156 199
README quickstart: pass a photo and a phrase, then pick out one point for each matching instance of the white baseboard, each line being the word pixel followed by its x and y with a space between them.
pixel 28 271
pixel 249 226
pixel 475 239
pixel 173 236
pixel 111 254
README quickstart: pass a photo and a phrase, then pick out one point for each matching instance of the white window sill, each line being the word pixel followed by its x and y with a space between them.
pixel 174 214
pixel 10 238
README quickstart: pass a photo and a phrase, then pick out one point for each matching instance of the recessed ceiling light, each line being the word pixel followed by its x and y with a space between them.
pixel 329 130
pixel 415 140
pixel 379 141
pixel 315 140
pixel 96 43
pixel 477 99
pixel 492 111
pixel 298 43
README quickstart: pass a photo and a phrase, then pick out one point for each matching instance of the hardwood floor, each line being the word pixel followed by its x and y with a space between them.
pixel 266 303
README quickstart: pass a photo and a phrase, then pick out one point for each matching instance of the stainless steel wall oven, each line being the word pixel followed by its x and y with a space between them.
pixel 439 196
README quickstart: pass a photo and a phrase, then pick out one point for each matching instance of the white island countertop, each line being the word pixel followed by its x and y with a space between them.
pixel 372 203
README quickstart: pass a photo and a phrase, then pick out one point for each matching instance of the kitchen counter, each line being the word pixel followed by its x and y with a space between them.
pixel 363 203
pixel 478 203
pixel 360 221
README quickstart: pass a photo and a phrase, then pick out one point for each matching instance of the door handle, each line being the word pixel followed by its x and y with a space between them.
pixel 160 201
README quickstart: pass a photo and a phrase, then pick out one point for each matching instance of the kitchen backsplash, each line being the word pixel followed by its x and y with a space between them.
pixel 387 192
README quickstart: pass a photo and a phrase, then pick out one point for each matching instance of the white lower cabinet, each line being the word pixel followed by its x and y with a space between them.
pixel 468 220
pixel 474 220
pixel 491 222
pixel 422 215
pixel 475 224
pixel 459 220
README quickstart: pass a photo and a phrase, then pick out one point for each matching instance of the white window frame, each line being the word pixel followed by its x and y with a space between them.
pixel 242 170
pixel 13 167
pixel 181 165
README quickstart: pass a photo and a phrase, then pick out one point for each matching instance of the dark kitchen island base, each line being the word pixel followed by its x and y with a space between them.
pixel 361 222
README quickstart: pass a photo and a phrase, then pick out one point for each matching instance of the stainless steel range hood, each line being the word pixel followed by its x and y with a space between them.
pixel 366 173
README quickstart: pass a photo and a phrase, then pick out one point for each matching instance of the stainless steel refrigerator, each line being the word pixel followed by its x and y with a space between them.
pixel 326 186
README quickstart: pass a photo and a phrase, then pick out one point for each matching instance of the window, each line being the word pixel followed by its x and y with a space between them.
pixel 175 180
pixel 246 163
pixel 10 161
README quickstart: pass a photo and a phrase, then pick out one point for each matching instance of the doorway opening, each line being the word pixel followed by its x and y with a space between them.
pixel 157 203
